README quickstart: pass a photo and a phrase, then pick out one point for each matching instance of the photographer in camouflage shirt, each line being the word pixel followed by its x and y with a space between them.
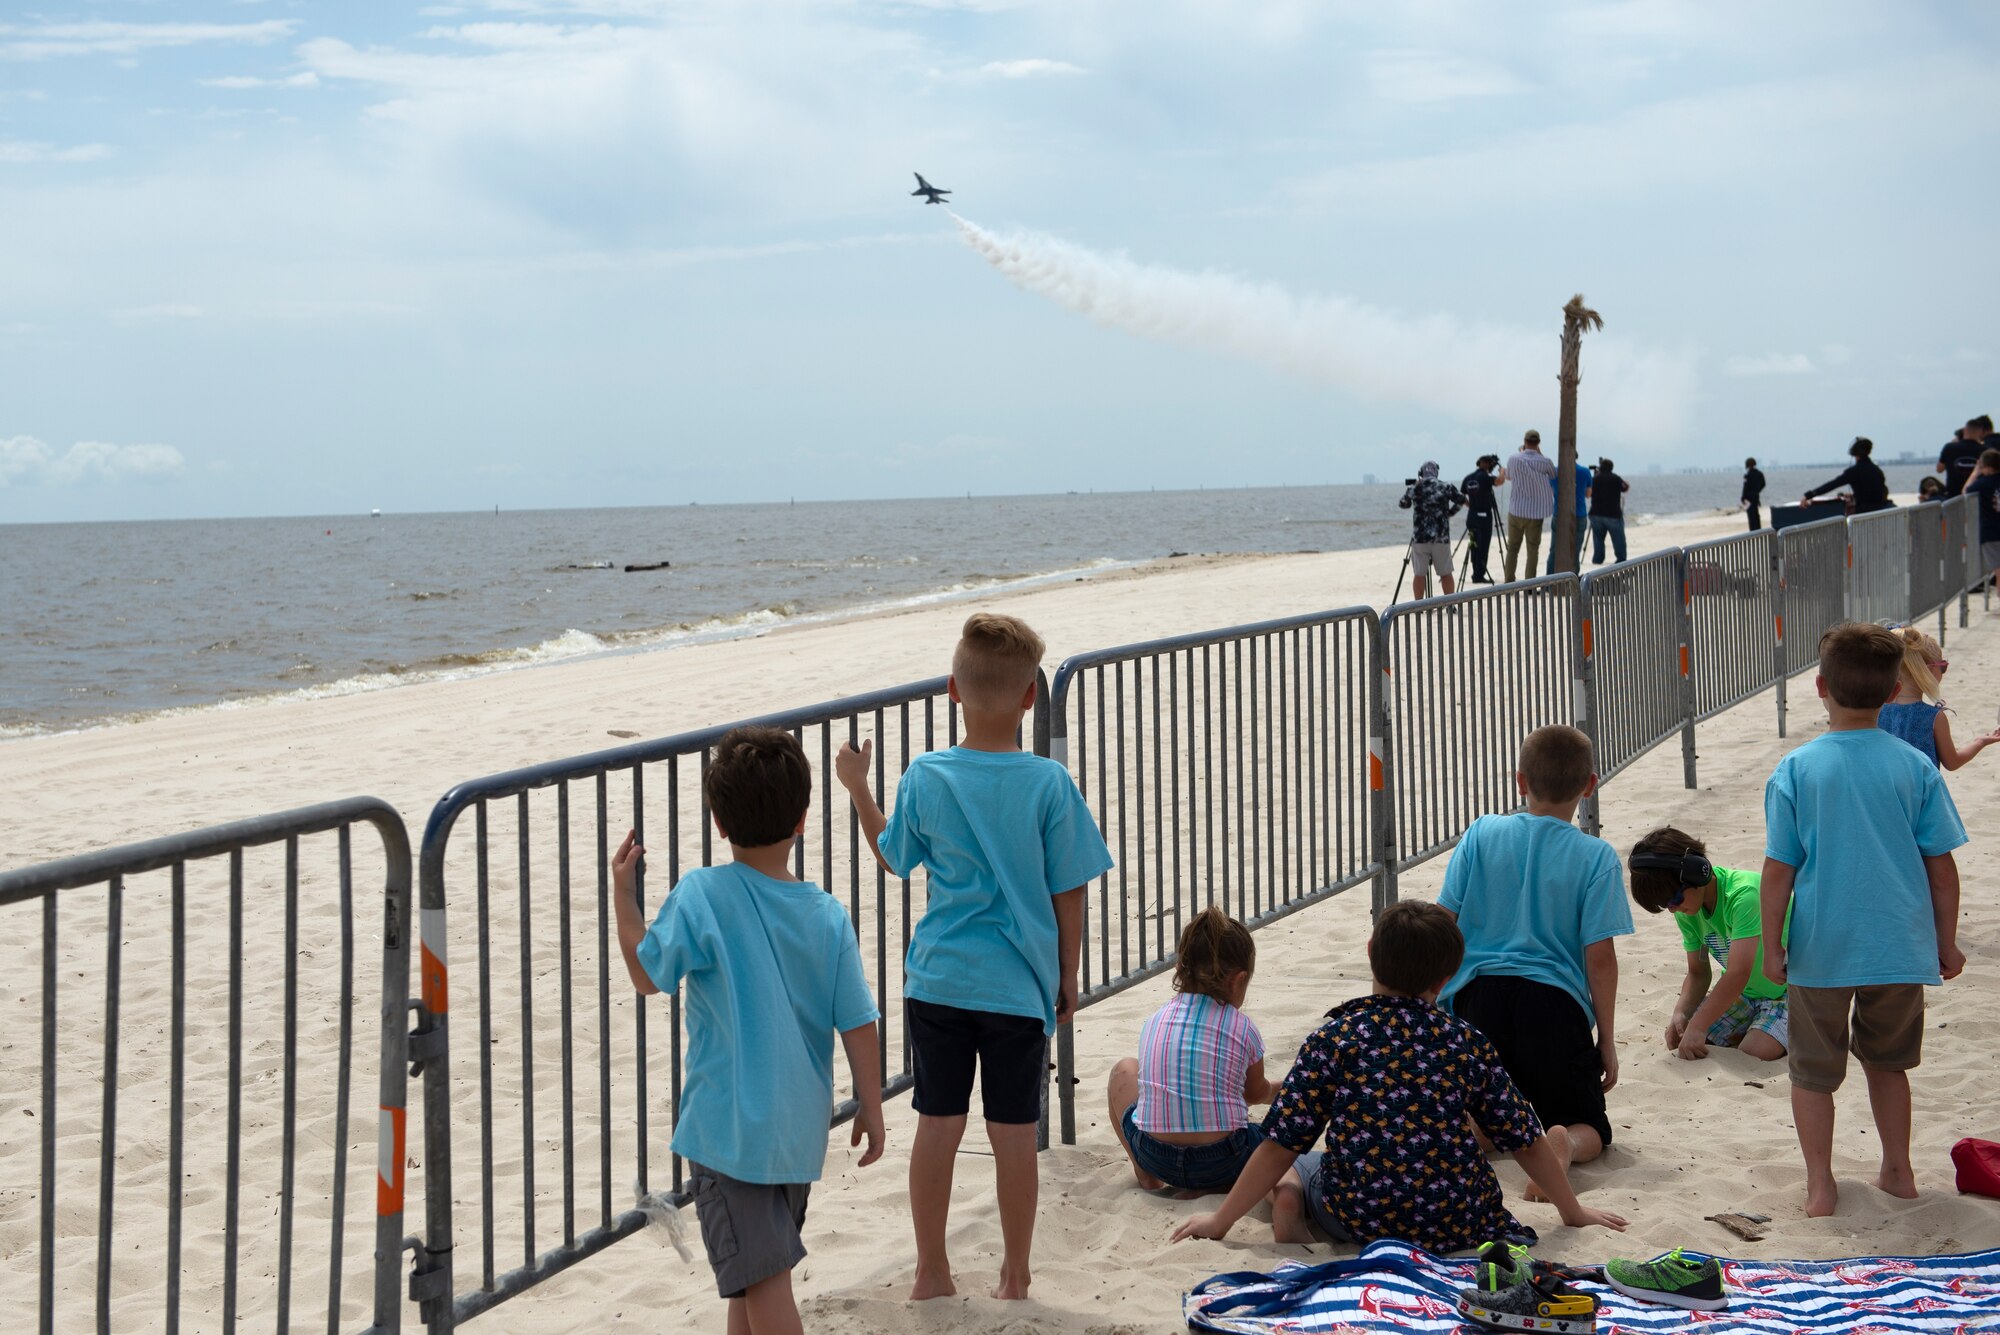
pixel 1435 503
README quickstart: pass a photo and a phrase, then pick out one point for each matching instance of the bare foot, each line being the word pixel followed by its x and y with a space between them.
pixel 932 1285
pixel 1821 1198
pixel 1011 1285
pixel 1898 1181
pixel 1559 1142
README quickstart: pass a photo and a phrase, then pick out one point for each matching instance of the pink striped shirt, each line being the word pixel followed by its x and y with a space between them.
pixel 1194 1053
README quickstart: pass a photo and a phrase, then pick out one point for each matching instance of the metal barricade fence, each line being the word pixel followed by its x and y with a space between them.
pixel 1878 567
pixel 1635 657
pixel 1464 679
pixel 1961 554
pixel 1930 572
pixel 601 1152
pixel 1812 589
pixel 177 1053
pixel 1732 617
pixel 1230 767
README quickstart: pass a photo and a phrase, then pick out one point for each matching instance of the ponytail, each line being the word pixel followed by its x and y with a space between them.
pixel 1213 947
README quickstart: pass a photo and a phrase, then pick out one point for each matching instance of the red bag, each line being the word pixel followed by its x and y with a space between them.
pixel 1978 1163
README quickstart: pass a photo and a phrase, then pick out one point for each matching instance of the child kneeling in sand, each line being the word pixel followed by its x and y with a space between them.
pixel 1718 914
pixel 1397 1085
pixel 1181 1109
pixel 759 950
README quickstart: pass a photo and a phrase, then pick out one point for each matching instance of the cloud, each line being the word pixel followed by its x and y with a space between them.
pixel 23 458
pixel 23 151
pixel 43 41
pixel 1417 76
pixel 1776 363
pixel 1034 68
pixel 305 80
pixel 132 315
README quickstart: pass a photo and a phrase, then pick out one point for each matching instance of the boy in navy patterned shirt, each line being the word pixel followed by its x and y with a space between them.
pixel 1392 1080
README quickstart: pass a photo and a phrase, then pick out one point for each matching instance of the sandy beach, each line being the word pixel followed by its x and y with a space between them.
pixel 1103 1262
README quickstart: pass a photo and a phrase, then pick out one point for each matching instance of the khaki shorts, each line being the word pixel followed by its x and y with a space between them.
pixel 1428 556
pixel 1887 1031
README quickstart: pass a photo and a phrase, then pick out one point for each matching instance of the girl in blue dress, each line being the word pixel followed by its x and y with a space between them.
pixel 1916 713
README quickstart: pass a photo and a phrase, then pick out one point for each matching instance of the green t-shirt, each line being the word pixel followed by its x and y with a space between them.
pixel 1737 916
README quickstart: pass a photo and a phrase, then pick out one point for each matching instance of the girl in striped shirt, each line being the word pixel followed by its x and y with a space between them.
pixel 1181 1109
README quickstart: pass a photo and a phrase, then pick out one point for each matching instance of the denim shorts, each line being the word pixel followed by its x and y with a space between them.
pixel 1213 1167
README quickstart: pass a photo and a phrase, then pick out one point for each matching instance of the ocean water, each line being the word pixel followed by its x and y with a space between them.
pixel 113 621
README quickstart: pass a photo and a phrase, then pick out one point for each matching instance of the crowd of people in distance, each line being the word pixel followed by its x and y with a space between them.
pixel 1489 1030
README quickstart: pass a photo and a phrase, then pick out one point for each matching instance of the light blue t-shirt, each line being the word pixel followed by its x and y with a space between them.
pixel 1000 832
pixel 772 972
pixel 1857 813
pixel 1530 893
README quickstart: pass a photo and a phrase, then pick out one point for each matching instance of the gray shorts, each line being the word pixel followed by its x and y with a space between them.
pixel 1428 556
pixel 1308 1166
pixel 751 1230
pixel 1989 556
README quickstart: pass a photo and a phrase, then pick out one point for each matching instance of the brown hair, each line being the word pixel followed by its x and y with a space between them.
pixel 1652 887
pixel 1556 762
pixel 1416 946
pixel 1919 652
pixel 995 661
pixel 1213 946
pixel 1860 664
pixel 1990 459
pixel 758 785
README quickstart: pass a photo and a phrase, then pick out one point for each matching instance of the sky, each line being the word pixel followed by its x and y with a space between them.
pixel 319 258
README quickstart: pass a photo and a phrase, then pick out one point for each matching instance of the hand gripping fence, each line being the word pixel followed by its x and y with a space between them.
pixel 1233 767
pixel 522 934
pixel 171 1236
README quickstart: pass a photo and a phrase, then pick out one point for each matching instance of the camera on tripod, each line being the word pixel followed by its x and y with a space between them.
pixel 1409 482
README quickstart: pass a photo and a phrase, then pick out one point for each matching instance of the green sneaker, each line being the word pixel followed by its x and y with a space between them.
pixel 1502 1265
pixel 1674 1279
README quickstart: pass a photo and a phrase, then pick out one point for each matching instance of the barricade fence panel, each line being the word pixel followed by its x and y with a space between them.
pixel 1878 567
pixel 1732 614
pixel 1632 641
pixel 578 1078
pixel 1228 768
pixel 1930 578
pixel 209 982
pixel 1466 678
pixel 1812 566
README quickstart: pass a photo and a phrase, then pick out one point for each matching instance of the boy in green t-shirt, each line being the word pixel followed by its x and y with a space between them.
pixel 1718 914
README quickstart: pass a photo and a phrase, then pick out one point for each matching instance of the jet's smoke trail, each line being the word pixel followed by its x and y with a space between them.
pixel 1479 372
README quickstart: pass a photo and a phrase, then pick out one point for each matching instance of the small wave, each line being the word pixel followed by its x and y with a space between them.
pixel 425 595
pixel 14 731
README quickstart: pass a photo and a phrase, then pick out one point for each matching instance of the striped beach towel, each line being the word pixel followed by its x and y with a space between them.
pixel 1392 1286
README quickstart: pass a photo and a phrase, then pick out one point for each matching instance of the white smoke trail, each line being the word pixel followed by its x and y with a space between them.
pixel 1478 372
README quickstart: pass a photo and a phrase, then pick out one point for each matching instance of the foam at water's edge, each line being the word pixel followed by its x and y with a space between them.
pixel 575 644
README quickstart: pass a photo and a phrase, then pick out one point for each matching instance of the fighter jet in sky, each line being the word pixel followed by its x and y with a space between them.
pixel 932 194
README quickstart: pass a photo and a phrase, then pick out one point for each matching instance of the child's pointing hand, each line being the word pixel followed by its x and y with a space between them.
pixel 851 766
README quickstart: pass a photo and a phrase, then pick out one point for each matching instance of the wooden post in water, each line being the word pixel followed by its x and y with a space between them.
pixel 1576 318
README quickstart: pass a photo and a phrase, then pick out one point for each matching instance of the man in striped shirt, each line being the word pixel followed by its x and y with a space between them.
pixel 1531 499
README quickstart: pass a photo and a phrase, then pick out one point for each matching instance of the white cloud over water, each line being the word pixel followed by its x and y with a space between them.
pixel 24 459
pixel 1776 363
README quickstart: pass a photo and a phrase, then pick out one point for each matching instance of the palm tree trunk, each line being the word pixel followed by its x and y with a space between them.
pixel 1576 318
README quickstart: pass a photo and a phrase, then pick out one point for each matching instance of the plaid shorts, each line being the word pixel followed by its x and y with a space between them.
pixel 1761 1014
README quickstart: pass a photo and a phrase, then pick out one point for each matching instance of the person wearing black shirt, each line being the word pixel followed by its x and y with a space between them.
pixel 1607 512
pixel 1480 504
pixel 1753 493
pixel 1863 478
pixel 1984 488
pixel 1960 456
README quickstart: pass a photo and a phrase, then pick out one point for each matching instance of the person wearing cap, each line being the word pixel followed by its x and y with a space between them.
pixel 1480 503
pixel 1863 478
pixel 1434 503
pixel 1531 500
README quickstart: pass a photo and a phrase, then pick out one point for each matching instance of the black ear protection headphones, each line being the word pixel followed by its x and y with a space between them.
pixel 1694 869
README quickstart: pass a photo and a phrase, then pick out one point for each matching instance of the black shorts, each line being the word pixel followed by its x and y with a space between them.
pixel 1011 1051
pixel 1544 1040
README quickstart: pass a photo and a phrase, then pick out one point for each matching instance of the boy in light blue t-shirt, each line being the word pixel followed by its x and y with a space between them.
pixel 991 971
pixel 1539 902
pixel 772 972
pixel 1858 835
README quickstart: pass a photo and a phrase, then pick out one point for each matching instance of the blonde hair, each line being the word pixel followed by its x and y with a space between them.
pixel 1213 947
pixel 1919 652
pixel 996 660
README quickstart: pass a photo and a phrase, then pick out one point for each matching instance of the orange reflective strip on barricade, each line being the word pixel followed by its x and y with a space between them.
pixel 1684 660
pixel 1586 637
pixel 1781 628
pixel 1375 764
pixel 430 961
pixel 389 1163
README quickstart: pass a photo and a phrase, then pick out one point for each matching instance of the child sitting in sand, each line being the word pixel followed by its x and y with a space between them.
pixel 1718 913
pixel 991 968
pixel 1181 1109
pixel 1397 1085
pixel 1539 902
pixel 1916 713
pixel 759 950
pixel 1858 835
